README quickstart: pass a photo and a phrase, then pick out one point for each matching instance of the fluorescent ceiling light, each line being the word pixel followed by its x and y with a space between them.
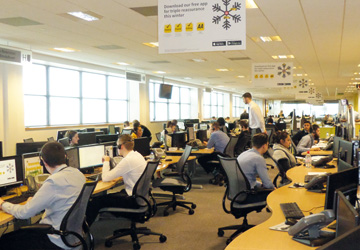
pixel 122 63
pixel 85 16
pixel 358 65
pixel 222 70
pixel 205 82
pixel 199 60
pixel 250 4
pixel 282 56
pixel 152 44
pixel 294 67
pixel 275 57
pixel 265 38
pixel 159 72
pixel 64 49
pixel 240 76
pixel 187 78
pixel 298 74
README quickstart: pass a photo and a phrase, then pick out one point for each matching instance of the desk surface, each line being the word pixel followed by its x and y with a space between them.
pixel 261 237
pixel 103 186
pixel 320 152
pixel 203 151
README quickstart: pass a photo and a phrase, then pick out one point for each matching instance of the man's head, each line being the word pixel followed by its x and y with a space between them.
pixel 53 154
pixel 136 123
pixel 125 144
pixel 260 142
pixel 349 106
pixel 215 126
pixel 174 122
pixel 247 98
pixel 316 131
pixel 244 125
pixel 307 126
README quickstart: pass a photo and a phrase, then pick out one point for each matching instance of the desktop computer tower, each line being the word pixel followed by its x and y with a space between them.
pixel 355 147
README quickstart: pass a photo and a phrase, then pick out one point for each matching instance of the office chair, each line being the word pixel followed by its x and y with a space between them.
pixel 180 184
pixel 142 195
pixel 28 140
pixel 51 139
pixel 283 166
pixel 64 141
pixel 243 144
pixel 73 225
pixel 243 199
pixel 158 136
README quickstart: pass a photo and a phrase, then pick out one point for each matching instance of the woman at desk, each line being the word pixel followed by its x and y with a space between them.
pixel 73 137
pixel 137 132
pixel 281 149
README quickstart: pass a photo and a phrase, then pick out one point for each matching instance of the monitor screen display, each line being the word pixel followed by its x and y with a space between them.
pixel 12 171
pixel 32 165
pixel 91 156
pixel 72 154
pixel 165 91
pixel 347 217
pixel 203 126
pixel 191 132
pixel 345 150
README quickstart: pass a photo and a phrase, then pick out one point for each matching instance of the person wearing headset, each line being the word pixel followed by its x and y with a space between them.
pixel 73 137
pixel 130 168
pixel 56 196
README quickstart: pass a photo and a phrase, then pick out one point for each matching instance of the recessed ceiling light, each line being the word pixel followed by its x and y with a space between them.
pixel 64 49
pixel 222 70
pixel 187 78
pixel 358 65
pixel 265 39
pixel 294 67
pixel 305 74
pixel 240 76
pixel 275 57
pixel 282 56
pixel 159 72
pixel 152 44
pixel 198 60
pixel 122 63
pixel 298 74
pixel 87 16
pixel 250 4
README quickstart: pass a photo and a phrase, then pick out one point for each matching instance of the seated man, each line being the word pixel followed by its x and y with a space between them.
pixel 146 131
pixel 218 140
pixel 130 168
pixel 309 140
pixel 244 140
pixel 300 134
pixel 56 196
pixel 252 162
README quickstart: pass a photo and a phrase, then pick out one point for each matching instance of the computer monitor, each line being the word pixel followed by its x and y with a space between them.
pixel 1 149
pixel 117 130
pixel 343 165
pixel 72 154
pixel 178 139
pixel 12 173
pixel 111 129
pixel 110 148
pixel 336 146
pixel 104 130
pixel 90 129
pixel 201 135
pixel 87 138
pixel 60 134
pixel 345 151
pixel 203 126
pixel 181 125
pixel 31 164
pixel 126 131
pixel 106 138
pixel 346 241
pixel 90 156
pixel 231 125
pixel 30 147
pixel 191 133
pixel 347 217
pixel 339 180
pixel 142 145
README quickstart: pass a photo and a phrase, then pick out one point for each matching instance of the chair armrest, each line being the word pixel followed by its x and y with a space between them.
pixel 224 201
pixel 171 174
pixel 41 228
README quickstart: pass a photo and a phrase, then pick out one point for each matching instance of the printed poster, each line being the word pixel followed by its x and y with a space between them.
pixel 269 75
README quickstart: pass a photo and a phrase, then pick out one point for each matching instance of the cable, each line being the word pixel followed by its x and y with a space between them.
pixel 311 209
pixel 7 226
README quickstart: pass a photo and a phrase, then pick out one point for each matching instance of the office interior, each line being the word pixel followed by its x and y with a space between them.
pixel 318 37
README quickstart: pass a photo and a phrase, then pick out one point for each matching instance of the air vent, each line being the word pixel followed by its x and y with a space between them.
pixel 147 11
pixel 135 77
pixel 239 58
pixel 208 89
pixel 159 62
pixel 213 77
pixel 18 21
pixel 109 47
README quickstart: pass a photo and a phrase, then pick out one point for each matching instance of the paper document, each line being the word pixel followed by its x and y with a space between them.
pixel 281 227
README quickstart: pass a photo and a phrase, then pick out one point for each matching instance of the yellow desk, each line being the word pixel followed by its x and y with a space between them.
pixel 320 152
pixel 261 237
pixel 203 151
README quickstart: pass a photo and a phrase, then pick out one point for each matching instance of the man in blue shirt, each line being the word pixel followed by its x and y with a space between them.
pixel 252 162
pixel 218 140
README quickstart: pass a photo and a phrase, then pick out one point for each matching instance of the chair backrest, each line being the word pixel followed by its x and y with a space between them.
pixel 142 145
pixel 142 186
pixel 236 179
pixel 51 139
pixel 29 140
pixel 230 147
pixel 74 219
pixel 158 136
pixel 64 141
pixel 184 157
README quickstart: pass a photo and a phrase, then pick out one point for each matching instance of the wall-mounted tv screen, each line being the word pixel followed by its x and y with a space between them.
pixel 165 91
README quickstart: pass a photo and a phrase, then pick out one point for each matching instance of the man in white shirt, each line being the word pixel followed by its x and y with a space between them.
pixel 256 119
pixel 344 117
pixel 130 168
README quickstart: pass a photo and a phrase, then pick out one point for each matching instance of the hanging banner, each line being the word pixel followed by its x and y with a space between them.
pixel 302 89
pixel 199 25
pixel 15 56
pixel 272 75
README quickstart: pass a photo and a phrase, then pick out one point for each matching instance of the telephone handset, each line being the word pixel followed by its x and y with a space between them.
pixel 159 153
pixel 30 183
pixel 328 146
pixel 317 184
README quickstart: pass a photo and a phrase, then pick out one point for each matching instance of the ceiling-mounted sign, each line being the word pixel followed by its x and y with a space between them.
pixel 194 26
pixel 15 56
pixel 272 74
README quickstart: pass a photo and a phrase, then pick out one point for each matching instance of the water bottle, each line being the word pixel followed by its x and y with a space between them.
pixel 152 156
pixel 327 135
pixel 308 160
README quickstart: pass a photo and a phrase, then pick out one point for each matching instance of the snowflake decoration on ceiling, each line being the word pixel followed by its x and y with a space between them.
pixel 312 91
pixel 318 95
pixel 303 83
pixel 226 14
pixel 284 70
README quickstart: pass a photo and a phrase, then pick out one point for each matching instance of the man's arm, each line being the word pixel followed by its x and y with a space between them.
pixel 259 117
pixel 304 144
pixel 263 174
pixel 119 170
pixel 211 142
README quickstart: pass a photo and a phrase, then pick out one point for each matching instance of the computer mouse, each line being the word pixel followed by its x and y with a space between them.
pixel 329 166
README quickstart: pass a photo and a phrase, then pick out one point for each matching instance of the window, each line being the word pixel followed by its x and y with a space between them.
pixel 57 96
pixel 178 107
pixel 238 106
pixel 213 104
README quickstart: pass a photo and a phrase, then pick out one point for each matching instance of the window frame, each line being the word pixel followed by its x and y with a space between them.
pixel 214 106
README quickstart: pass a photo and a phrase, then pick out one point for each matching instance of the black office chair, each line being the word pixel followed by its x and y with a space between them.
pixel 28 140
pixel 243 199
pixel 180 184
pixel 142 195
pixel 51 139
pixel 283 166
pixel 73 226
pixel 243 144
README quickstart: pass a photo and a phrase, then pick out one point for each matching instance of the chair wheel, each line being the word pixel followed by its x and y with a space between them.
pixel 108 243
pixel 193 206
pixel 191 211
pixel 136 246
pixel 228 241
pixel 166 213
pixel 162 238
pixel 220 233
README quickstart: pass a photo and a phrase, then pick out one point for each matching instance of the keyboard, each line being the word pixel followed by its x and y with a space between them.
pixel 308 178
pixel 291 210
pixel 19 199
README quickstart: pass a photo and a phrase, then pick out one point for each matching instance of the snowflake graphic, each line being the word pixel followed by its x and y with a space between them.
pixel 303 83
pixel 9 168
pixel 284 70
pixel 312 91
pixel 226 13
pixel 318 95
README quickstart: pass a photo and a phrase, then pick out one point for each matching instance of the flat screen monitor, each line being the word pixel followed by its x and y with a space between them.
pixel 60 134
pixel 86 138
pixel 111 129
pixel 90 129
pixel 181 125
pixel 347 217
pixel 178 139
pixel 72 154
pixel 117 130
pixel 339 180
pixel 345 151
pixel 110 148
pixel 343 165
pixel 30 147
pixel 165 91
pixel 1 149
pixel 12 172
pixel 31 164
pixel 142 145
pixel 191 133
pixel 231 125
pixel 126 131
pixel 90 156
pixel 336 146
pixel 106 138
pixel 203 126
pixel 104 130
pixel 202 135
